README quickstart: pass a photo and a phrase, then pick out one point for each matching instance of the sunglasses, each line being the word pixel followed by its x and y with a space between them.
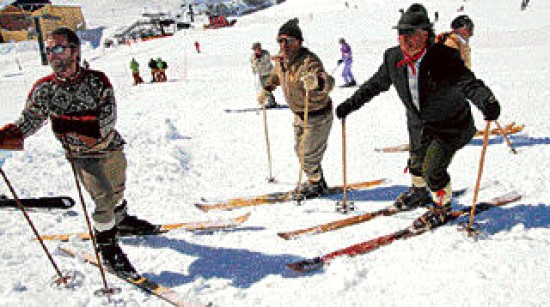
pixel 286 40
pixel 407 32
pixel 57 49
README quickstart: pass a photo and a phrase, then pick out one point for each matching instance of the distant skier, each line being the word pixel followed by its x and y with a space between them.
pixel 347 59
pixel 435 88
pixel 81 106
pixel 161 70
pixel 134 67
pixel 154 70
pixel 197 46
pixel 261 68
pixel 191 13
pixel 524 4
pixel 459 38
pixel 299 71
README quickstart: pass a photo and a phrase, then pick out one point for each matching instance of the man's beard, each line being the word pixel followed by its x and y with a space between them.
pixel 60 66
pixel 289 54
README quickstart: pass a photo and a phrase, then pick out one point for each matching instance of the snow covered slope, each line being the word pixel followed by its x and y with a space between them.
pixel 183 147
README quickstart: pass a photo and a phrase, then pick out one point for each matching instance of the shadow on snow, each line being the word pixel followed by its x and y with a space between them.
pixel 505 218
pixel 243 267
pixel 517 141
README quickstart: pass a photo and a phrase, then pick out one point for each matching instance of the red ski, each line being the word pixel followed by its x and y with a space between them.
pixel 368 246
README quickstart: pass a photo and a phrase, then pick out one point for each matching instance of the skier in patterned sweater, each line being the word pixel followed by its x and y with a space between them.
pixel 81 106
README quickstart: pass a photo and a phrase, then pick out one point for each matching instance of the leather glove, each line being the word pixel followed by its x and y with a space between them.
pixel 492 109
pixel 310 81
pixel 262 96
pixel 11 137
pixel 340 61
pixel 343 109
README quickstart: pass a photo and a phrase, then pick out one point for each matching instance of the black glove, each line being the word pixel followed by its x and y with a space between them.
pixel 340 61
pixel 492 109
pixel 343 109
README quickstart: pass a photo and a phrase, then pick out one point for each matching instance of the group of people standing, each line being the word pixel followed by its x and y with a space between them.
pixel 158 70
pixel 432 80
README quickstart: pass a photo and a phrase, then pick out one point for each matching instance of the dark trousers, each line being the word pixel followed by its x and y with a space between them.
pixel 431 162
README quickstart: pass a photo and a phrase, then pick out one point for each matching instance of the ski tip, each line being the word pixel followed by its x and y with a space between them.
pixel 68 202
pixel 243 218
pixel 284 235
pixel 202 207
pixel 307 265
pixel 508 197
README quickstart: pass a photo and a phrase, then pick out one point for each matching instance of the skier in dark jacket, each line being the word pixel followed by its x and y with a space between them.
pixel 435 86
pixel 154 70
pixel 81 106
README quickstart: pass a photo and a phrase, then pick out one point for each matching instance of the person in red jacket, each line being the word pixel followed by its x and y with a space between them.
pixel 197 46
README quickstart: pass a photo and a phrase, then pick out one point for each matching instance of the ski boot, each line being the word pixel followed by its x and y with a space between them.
pixel 111 254
pixel 312 189
pixel 435 217
pixel 413 198
pixel 131 225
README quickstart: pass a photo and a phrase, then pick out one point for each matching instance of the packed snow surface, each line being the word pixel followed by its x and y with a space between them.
pixel 183 148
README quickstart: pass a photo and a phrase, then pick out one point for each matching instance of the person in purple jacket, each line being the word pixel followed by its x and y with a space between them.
pixel 347 60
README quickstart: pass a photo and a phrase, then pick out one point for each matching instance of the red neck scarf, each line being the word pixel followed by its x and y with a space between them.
pixel 411 60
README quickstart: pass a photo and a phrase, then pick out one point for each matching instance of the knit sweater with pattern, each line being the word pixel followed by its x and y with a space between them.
pixel 88 94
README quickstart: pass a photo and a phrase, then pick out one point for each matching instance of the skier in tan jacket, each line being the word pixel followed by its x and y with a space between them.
pixel 300 74
pixel 459 38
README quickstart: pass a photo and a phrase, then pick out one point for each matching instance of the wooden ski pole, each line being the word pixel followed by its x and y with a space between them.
pixel 268 147
pixel 302 150
pixel 106 290
pixel 505 135
pixel 344 206
pixel 62 279
pixel 479 173
pixel 344 174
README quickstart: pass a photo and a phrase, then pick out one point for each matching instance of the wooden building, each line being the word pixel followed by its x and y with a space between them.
pixel 17 23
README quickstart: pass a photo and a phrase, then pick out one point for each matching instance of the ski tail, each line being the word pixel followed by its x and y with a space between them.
pixel 52 202
pixel 147 285
pixel 280 197
pixel 190 226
